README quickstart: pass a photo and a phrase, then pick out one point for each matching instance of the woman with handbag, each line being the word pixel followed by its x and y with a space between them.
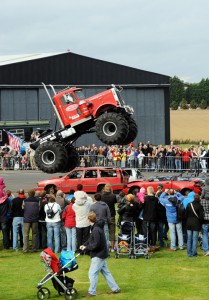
pixel 194 219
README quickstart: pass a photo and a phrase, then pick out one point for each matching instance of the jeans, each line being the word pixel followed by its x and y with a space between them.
pixel 53 230
pixel 100 265
pixel 71 238
pixel 63 237
pixel 106 232
pixel 176 228
pixel 192 241
pixel 17 224
pixel 162 232
pixel 42 235
pixel 178 164
pixel 205 229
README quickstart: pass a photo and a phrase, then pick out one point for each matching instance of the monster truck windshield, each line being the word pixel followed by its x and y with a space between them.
pixel 80 95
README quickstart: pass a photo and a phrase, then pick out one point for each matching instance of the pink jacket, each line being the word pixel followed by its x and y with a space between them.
pixel 141 195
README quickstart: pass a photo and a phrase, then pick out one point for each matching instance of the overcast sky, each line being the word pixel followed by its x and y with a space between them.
pixel 169 37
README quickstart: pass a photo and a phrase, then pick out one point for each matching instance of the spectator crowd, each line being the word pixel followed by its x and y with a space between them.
pixel 61 222
pixel 146 157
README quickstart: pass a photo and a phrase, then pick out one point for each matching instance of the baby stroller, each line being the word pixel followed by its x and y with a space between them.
pixel 125 243
pixel 56 269
pixel 141 246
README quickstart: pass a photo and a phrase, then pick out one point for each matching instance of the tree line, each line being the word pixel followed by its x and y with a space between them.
pixel 194 94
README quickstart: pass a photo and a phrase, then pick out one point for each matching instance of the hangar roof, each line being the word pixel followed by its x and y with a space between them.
pixel 61 68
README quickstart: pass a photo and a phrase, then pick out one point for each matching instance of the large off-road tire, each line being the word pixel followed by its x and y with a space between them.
pixel 50 157
pixel 73 159
pixel 132 133
pixel 112 128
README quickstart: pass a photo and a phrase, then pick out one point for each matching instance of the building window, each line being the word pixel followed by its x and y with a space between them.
pixel 18 132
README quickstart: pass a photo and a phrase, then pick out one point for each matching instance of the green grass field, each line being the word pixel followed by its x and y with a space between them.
pixel 165 275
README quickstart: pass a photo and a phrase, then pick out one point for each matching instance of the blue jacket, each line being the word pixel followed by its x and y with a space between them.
pixel 171 212
pixel 188 199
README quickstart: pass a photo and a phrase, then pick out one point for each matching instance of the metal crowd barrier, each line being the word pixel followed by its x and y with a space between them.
pixel 144 163
pixel 149 163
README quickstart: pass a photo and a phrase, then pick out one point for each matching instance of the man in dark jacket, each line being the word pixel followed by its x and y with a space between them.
pixel 102 211
pixel 31 216
pixel 97 247
pixel 150 216
pixel 110 198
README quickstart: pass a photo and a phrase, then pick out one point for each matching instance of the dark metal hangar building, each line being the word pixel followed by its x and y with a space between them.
pixel 24 104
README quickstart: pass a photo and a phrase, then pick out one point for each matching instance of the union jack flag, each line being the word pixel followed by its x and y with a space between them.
pixel 15 142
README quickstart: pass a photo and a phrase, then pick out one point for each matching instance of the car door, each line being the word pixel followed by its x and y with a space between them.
pixel 90 180
pixel 71 180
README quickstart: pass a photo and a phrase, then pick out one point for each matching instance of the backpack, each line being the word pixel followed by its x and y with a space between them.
pixel 180 211
pixel 50 213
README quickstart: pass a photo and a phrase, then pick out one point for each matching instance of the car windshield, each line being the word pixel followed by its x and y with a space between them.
pixel 80 95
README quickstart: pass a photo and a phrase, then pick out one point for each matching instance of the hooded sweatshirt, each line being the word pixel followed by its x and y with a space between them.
pixel 96 244
pixel 188 199
pixel 82 209
pixel 101 210
pixel 171 212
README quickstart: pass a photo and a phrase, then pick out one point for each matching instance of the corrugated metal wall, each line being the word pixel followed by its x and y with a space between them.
pixel 29 104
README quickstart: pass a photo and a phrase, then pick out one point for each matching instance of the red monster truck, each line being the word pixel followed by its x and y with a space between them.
pixel 106 112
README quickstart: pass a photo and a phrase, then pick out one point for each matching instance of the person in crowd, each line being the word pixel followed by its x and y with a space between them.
pixel 110 199
pixel 32 159
pixel 186 155
pixel 109 156
pixel 177 158
pixel 150 206
pixel 60 199
pixel 140 195
pixel 17 213
pixel 31 216
pixel 131 157
pixel 194 218
pixel 203 159
pixel 102 211
pixel 123 158
pixel 53 223
pixel 70 196
pixel 9 218
pixel 130 210
pixel 205 226
pixel 4 209
pixel 168 198
pixel 97 247
pixel 140 158
pixel 82 208
pixel 69 218
pixel 162 224
pixel 42 230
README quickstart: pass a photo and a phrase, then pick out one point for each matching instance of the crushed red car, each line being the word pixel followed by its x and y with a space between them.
pixel 168 183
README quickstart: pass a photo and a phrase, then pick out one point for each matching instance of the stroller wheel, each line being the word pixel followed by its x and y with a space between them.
pixel 43 293
pixel 71 294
